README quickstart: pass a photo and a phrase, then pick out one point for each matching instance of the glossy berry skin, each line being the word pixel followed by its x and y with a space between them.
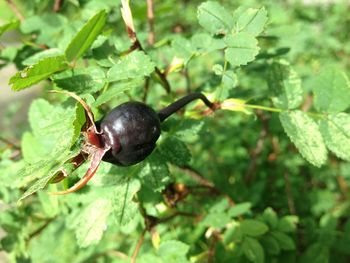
pixel 131 130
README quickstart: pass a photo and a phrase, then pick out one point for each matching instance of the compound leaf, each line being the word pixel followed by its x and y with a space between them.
pixel 241 48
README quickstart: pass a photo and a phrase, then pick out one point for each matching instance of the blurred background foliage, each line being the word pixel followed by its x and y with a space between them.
pixel 248 195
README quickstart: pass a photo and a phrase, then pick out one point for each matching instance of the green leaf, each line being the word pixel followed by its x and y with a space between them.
pixel 86 36
pixel 336 133
pixel 216 220
pixel 287 224
pixel 332 91
pixel 123 205
pixel 45 170
pixel 155 172
pixel 173 251
pixel 52 52
pixel 92 222
pixel 253 228
pixel 251 20
pixel 52 125
pixel 241 49
pixel 271 245
pixel 214 18
pixel 306 136
pixel 32 149
pixel 239 209
pixel 175 151
pixel 316 253
pixel 117 89
pixel 37 72
pixel 81 81
pixel 285 242
pixel 286 85
pixel 9 26
pixel 135 65
pixel 253 250
pixel 270 217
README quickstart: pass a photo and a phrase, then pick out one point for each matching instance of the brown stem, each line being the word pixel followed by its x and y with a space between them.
pixel 291 204
pixel 138 246
pixel 57 5
pixel 255 153
pixel 197 176
pixel 150 19
pixel 40 229
pixel 10 144
pixel 206 183
pixel 14 8
pixel 135 44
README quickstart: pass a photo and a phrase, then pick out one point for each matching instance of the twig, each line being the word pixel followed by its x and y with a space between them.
pixel 40 229
pixel 255 153
pixel 138 246
pixel 204 182
pixel 14 8
pixel 135 43
pixel 288 188
pixel 197 176
pixel 57 5
pixel 11 144
pixel 150 18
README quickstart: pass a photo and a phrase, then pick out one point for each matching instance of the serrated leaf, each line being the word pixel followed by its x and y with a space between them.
pixel 124 208
pixel 285 242
pixel 332 91
pixel 9 26
pixel 37 72
pixel 173 251
pixel 306 136
pixel 45 170
pixel 52 52
pixel 175 151
pixel 253 228
pixel 155 172
pixel 286 85
pixel 135 65
pixel 117 89
pixel 214 18
pixel 241 49
pixel 253 250
pixel 336 133
pixel 52 125
pixel 81 81
pixel 86 36
pixel 92 222
pixel 32 149
pixel 251 21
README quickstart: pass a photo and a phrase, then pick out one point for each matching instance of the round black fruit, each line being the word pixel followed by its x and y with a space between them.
pixel 131 130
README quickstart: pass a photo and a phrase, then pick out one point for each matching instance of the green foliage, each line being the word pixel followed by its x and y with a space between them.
pixel 223 186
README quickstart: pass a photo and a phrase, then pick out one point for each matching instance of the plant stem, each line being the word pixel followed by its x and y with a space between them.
pixel 271 109
pixel 57 5
pixel 138 246
pixel 14 8
pixel 150 18
pixel 175 106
